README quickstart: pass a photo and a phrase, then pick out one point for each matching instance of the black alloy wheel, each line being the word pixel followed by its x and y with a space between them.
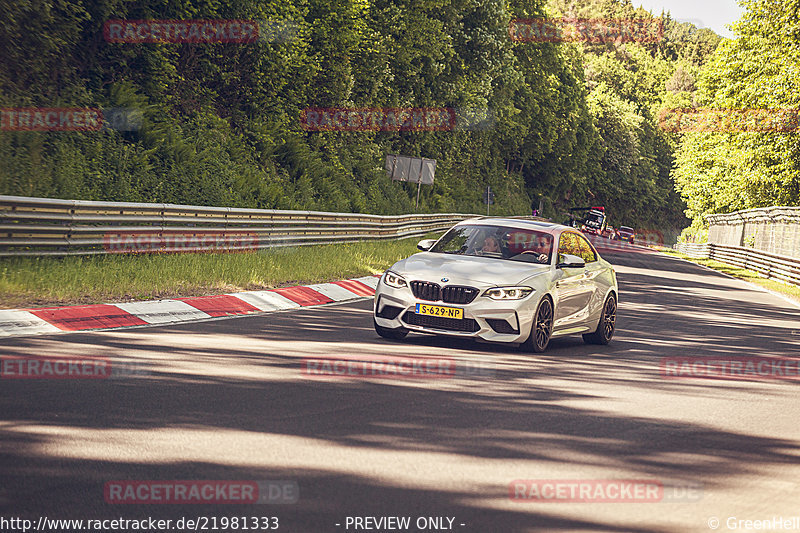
pixel 608 321
pixel 541 329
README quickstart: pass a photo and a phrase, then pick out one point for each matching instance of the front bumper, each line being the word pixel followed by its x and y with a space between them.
pixel 490 320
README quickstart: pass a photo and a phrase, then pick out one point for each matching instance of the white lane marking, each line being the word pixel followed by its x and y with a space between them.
pixel 18 322
pixel 334 292
pixel 163 311
pixel 266 300
pixel 370 281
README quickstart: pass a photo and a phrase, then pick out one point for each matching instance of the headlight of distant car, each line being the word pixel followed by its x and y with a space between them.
pixel 508 293
pixel 394 280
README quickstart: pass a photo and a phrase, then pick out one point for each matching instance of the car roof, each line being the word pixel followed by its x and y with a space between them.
pixel 520 223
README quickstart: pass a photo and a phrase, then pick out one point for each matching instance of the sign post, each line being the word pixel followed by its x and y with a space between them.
pixel 404 168
pixel 488 198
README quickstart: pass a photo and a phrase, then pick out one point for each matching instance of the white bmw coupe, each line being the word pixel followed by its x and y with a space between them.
pixel 501 280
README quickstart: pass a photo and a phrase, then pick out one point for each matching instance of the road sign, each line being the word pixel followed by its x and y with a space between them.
pixel 417 170
pixel 411 169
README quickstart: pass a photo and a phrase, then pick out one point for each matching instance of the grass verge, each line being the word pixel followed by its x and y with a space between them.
pixel 45 281
pixel 786 289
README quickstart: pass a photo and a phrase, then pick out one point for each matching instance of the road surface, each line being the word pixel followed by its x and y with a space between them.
pixel 233 400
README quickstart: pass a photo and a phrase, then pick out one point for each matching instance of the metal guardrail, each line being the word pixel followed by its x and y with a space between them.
pixel 698 251
pixel 773 230
pixel 770 265
pixel 45 226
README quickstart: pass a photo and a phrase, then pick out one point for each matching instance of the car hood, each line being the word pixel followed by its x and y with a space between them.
pixel 466 270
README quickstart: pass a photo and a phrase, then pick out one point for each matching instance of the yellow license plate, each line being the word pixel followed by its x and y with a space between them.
pixel 438 310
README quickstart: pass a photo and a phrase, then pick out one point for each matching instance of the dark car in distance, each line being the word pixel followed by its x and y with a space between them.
pixel 625 233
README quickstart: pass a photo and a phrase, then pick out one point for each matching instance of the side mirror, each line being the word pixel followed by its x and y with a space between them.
pixel 426 244
pixel 570 261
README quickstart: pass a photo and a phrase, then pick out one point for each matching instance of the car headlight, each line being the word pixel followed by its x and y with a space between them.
pixel 394 280
pixel 508 293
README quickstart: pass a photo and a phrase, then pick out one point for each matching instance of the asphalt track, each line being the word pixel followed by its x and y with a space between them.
pixel 228 400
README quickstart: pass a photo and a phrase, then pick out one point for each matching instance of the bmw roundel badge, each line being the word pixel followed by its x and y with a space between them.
pixel 445 280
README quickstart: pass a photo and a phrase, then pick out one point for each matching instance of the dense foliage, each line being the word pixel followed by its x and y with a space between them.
pixel 571 125
pixel 726 171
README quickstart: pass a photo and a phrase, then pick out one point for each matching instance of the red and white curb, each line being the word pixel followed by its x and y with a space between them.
pixel 15 322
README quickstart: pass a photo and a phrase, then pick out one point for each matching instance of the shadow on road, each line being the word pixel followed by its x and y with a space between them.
pixel 521 412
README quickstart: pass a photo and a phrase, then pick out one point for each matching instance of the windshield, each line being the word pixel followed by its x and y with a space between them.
pixel 594 219
pixel 499 242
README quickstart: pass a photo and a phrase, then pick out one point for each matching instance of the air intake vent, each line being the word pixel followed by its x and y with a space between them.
pixel 438 322
pixel 501 326
pixel 389 311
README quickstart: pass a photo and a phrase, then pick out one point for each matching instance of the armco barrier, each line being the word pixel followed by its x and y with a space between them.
pixel 765 239
pixel 770 265
pixel 45 226
pixel 775 230
pixel 698 251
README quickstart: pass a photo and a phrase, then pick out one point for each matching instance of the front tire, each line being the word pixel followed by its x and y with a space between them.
pixel 541 329
pixel 605 328
pixel 395 334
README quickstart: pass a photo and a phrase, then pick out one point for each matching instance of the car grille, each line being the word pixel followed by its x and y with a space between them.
pixel 438 322
pixel 452 294
pixel 425 290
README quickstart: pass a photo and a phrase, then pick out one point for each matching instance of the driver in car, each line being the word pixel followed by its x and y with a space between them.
pixel 490 246
pixel 540 248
